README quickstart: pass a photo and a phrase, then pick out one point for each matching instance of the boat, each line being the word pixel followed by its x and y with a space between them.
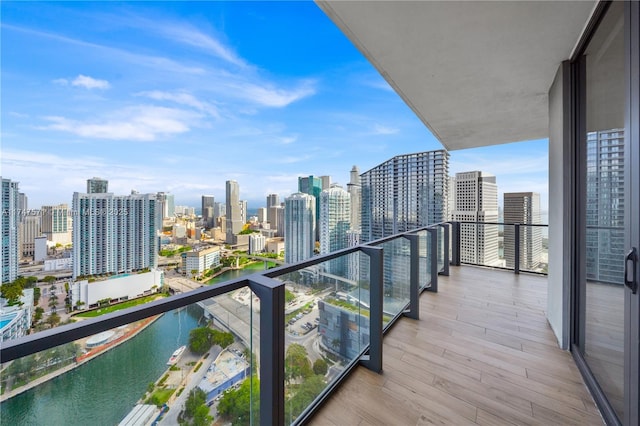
pixel 176 355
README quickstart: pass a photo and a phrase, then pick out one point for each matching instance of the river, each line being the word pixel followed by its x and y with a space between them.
pixel 105 389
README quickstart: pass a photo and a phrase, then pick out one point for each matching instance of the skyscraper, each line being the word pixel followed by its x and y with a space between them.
pixel 326 182
pixel 207 210
pixel 219 210
pixel 335 215
pixel 354 188
pixel 114 234
pixel 272 200
pixel 522 207
pixel 275 217
pixel 97 185
pixel 477 201
pixel 55 223
pixel 233 215
pixel 403 193
pixel 9 225
pixel 244 214
pixel 300 227
pixel 313 186
pixel 605 206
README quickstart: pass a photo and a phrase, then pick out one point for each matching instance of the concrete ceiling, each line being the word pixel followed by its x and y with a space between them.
pixel 476 73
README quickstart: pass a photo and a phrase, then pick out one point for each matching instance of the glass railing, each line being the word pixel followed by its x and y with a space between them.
pixel 267 348
pixel 517 247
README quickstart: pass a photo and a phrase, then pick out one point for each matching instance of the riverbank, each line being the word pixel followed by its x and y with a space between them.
pixel 132 331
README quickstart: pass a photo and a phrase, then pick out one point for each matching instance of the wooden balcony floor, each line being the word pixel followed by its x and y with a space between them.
pixel 481 353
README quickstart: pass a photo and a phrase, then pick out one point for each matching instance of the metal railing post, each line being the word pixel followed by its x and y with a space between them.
pixel 445 260
pixel 376 293
pixel 516 252
pixel 433 259
pixel 271 295
pixel 455 243
pixel 414 277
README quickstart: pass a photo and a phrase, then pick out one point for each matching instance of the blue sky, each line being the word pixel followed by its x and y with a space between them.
pixel 180 97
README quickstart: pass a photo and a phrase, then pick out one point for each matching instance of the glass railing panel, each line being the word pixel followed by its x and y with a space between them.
pixel 162 361
pixel 441 254
pixel 397 275
pixel 235 394
pixel 424 250
pixel 326 326
pixel 533 258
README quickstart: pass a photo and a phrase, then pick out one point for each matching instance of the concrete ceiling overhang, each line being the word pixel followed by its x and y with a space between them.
pixel 476 73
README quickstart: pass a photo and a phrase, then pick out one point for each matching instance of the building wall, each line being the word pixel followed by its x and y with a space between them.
pixel 300 227
pixel 335 215
pixel 560 246
pixel 9 219
pixel 404 193
pixel 30 229
pixel 233 214
pixel 257 243
pixel 523 208
pixel 118 288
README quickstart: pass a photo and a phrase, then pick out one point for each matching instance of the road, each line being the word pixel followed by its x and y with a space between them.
pixel 191 381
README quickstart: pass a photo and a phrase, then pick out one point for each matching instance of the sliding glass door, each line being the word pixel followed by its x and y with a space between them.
pixel 607 222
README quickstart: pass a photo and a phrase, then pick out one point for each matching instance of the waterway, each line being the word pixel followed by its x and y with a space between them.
pixel 235 273
pixel 105 389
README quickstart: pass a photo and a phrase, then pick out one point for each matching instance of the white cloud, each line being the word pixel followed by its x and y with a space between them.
pixel 292 159
pixel 181 98
pixel 61 81
pixel 287 140
pixel 267 95
pixel 138 123
pixel 379 129
pixel 89 82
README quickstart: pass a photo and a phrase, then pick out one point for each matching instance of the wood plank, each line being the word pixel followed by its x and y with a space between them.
pixel 482 352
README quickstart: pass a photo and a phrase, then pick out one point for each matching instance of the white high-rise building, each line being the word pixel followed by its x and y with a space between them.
pixel 114 234
pixel 300 227
pixel 354 188
pixel 477 201
pixel 522 207
pixel 335 217
pixel 262 214
pixel 243 212
pixel 234 215
pixel 257 243
pixel 9 219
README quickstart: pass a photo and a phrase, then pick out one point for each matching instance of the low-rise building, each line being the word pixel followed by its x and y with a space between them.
pixel 200 260
pixel 15 320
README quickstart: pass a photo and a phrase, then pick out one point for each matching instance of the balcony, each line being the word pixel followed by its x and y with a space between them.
pixel 482 352
pixel 463 344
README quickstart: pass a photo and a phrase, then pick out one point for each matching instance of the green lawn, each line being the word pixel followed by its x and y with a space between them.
pixel 117 307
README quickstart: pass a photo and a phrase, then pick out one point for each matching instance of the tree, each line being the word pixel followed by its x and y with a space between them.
pixel 36 295
pixel 296 363
pixel 320 367
pixel 194 273
pixel 53 300
pixel 53 320
pixel 195 411
pixel 30 282
pixel 49 279
pixel 221 338
pixel 200 340
pixel 12 292
pixel 240 405
pixel 37 315
pixel 305 394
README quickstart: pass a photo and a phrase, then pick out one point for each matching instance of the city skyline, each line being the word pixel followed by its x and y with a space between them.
pixel 180 98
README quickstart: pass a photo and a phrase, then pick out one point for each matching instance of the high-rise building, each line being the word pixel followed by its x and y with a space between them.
pixel 335 215
pixel 233 215
pixel 275 217
pixel 207 210
pixel 451 205
pixel 477 201
pixel 406 192
pixel 114 234
pixel 300 227
pixel 272 200
pixel 605 206
pixel 523 208
pixel 354 188
pixel 326 182
pixel 9 225
pixel 219 210
pixel 262 214
pixel 97 185
pixel 244 214
pixel 257 243
pixel 23 205
pixel 30 228
pixel 55 223
pixel 313 186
